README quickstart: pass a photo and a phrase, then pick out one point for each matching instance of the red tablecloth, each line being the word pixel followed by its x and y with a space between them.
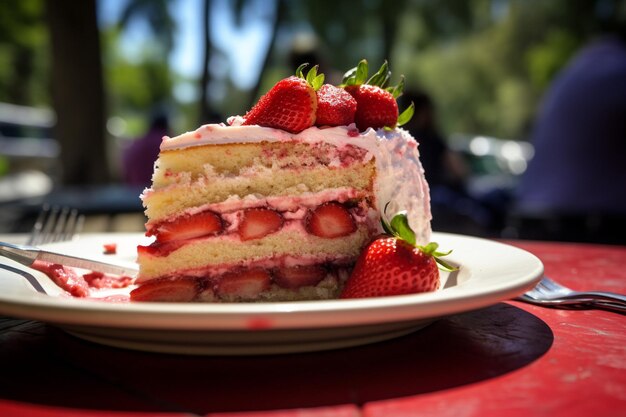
pixel 510 359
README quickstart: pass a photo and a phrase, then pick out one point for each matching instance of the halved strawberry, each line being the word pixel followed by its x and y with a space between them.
pixel 181 289
pixel 335 106
pixel 290 105
pixel 246 284
pixel 159 248
pixel 259 222
pixel 188 227
pixel 330 220
pixel 152 249
pixel 299 276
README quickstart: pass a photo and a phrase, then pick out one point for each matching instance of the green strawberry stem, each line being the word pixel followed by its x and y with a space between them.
pixel 396 90
pixel 406 115
pixel 399 228
pixel 381 77
pixel 358 76
pixel 314 79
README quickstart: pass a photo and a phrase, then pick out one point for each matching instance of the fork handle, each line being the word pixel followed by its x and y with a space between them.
pixel 618 308
pixel 612 297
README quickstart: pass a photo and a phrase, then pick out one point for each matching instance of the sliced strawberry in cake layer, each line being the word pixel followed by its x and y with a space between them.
pixel 188 227
pixel 247 284
pixel 181 289
pixel 299 276
pixel 259 222
pixel 330 220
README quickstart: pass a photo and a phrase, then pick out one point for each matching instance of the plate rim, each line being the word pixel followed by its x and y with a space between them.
pixel 278 315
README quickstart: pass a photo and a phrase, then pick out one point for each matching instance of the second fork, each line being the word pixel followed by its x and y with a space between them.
pixel 55 224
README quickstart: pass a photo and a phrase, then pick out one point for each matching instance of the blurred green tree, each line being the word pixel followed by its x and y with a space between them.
pixel 24 58
pixel 487 63
pixel 146 80
pixel 159 18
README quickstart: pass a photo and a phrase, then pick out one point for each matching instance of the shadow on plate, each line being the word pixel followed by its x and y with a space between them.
pixel 458 350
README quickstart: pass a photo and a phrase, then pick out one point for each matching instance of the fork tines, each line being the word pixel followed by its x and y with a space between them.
pixel 55 224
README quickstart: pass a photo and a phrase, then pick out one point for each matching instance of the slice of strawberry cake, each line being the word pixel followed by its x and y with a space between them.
pixel 277 205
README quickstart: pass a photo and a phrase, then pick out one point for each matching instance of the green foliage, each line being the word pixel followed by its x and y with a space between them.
pixel 545 59
pixel 158 17
pixel 134 86
pixel 487 68
pixel 24 59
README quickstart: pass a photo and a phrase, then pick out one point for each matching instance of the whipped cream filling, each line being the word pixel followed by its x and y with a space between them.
pixel 400 178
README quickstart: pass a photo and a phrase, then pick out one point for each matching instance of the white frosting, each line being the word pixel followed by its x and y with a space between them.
pixel 400 176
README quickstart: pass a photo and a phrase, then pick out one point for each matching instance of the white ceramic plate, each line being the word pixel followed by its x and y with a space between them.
pixel 489 272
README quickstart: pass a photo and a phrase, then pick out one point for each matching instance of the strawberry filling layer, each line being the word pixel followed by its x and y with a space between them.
pixel 328 220
pixel 242 284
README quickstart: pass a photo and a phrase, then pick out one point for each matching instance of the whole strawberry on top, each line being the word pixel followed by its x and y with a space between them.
pixel 335 106
pixel 376 101
pixel 395 265
pixel 290 105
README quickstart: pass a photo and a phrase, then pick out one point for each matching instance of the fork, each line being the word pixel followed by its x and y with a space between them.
pixel 55 224
pixel 550 293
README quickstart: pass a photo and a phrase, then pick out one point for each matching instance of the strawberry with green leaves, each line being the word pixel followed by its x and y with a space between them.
pixel 376 101
pixel 395 265
pixel 290 105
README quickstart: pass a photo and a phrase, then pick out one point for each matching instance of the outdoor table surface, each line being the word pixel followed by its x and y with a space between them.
pixel 509 359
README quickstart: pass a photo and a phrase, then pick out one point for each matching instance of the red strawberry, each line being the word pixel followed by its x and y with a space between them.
pixel 246 284
pixel 390 266
pixel 376 105
pixel 376 108
pixel 110 248
pixel 299 276
pixel 335 106
pixel 395 265
pixel 179 289
pixel 290 105
pixel 159 249
pixel 330 220
pixel 188 227
pixel 259 222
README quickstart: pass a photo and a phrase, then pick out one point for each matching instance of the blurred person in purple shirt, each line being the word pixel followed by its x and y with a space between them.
pixel 138 159
pixel 579 169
